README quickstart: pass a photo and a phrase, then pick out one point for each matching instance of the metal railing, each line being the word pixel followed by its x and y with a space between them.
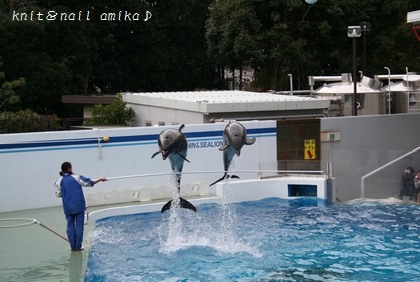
pixel 298 167
pixel 363 178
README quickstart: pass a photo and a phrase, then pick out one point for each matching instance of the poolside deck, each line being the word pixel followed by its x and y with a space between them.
pixel 33 253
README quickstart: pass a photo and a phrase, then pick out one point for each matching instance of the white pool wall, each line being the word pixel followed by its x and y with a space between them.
pixel 230 191
pixel 30 162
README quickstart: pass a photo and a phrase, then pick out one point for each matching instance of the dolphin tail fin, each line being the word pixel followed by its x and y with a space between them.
pixel 224 177
pixel 182 204
pixel 218 180
pixel 186 205
pixel 166 207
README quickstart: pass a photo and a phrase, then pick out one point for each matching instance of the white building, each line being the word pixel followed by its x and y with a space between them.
pixel 196 107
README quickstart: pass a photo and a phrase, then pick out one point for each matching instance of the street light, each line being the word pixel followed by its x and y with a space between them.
pixel 354 32
pixel 365 26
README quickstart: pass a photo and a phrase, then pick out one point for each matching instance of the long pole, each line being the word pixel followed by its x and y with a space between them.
pixel 219 171
pixel 364 53
pixel 36 221
pixel 354 79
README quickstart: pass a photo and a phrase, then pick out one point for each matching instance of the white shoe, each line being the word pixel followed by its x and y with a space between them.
pixel 81 249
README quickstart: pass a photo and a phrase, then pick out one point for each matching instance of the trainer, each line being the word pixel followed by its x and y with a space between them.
pixel 69 188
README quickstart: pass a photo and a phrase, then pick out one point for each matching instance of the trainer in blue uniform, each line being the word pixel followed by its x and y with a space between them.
pixel 69 188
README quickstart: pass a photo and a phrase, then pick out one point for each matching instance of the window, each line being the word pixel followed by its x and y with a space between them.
pixel 302 190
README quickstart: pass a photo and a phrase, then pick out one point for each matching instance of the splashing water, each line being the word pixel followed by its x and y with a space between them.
pixel 183 229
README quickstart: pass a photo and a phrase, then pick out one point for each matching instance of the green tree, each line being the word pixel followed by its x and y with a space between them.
pixel 27 121
pixel 185 42
pixel 165 53
pixel 114 114
pixel 52 56
pixel 232 34
pixel 293 37
pixel 7 90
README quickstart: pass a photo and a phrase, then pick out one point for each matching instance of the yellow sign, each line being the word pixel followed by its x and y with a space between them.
pixel 309 149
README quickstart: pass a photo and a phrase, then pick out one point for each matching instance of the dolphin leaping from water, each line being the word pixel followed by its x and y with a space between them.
pixel 173 145
pixel 234 138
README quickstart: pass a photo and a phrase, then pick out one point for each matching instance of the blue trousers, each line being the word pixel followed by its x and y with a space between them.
pixel 75 227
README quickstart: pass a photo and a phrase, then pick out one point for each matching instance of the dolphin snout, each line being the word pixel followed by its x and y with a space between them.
pixel 165 154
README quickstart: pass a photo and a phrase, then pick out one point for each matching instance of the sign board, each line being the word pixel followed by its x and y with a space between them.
pixel 413 17
pixel 330 136
pixel 309 149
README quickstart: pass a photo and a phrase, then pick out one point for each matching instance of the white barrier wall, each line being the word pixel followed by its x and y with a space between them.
pixel 30 162
pixel 232 191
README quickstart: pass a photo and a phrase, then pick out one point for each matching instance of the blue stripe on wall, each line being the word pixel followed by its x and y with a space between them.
pixel 114 141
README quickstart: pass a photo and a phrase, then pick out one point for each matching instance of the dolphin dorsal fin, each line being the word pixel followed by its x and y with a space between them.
pixel 181 127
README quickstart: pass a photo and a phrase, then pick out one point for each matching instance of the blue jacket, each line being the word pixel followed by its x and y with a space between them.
pixel 69 188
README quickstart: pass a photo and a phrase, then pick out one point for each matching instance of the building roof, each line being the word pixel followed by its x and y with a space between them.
pixel 399 86
pixel 345 88
pixel 225 101
pixel 88 99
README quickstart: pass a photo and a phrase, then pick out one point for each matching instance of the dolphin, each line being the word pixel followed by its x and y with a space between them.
pixel 234 138
pixel 173 145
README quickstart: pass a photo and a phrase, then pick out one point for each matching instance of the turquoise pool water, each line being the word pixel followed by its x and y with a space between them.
pixel 303 239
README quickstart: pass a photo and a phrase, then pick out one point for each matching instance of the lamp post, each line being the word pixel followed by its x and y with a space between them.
pixel 291 83
pixel 365 26
pixel 389 89
pixel 354 32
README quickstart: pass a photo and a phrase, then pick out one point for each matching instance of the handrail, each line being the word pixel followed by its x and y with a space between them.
pixel 362 179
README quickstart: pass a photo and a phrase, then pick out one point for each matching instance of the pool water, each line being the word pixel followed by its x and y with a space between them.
pixel 304 239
